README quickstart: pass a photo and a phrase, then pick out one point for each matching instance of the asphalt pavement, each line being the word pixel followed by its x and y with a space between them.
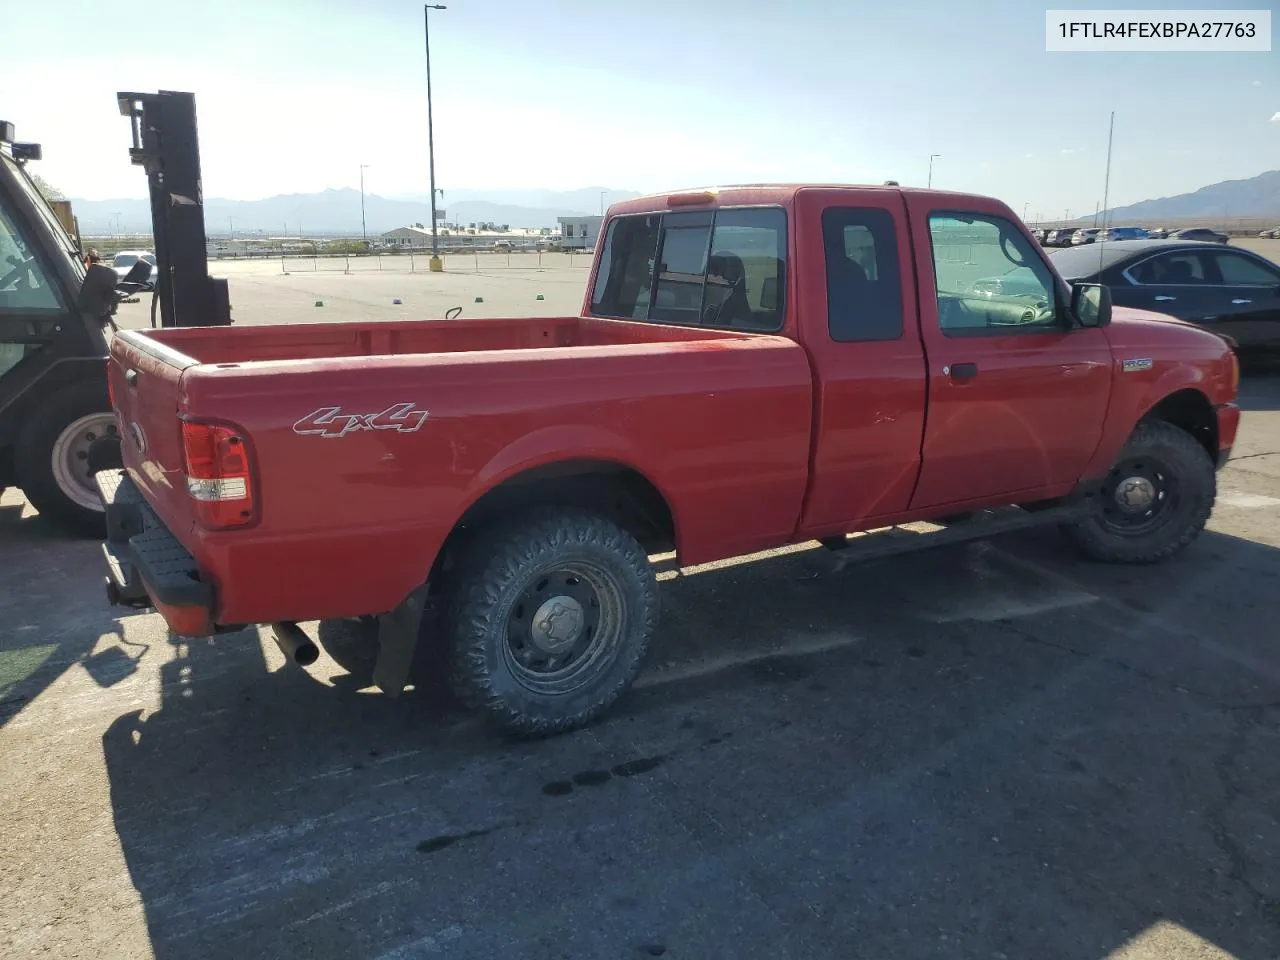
pixel 996 751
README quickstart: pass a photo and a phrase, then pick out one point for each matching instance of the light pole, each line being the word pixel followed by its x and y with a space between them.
pixel 602 193
pixel 1024 211
pixel 931 156
pixel 434 265
pixel 364 232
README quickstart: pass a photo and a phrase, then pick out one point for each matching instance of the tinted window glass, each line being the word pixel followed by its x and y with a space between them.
pixel 723 269
pixel 625 280
pixel 1245 271
pixel 1170 268
pixel 745 273
pixel 864 287
pixel 990 279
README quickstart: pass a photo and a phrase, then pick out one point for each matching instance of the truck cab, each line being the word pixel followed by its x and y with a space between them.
pixel 53 387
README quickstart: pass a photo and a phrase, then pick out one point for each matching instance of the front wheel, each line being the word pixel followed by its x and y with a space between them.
pixel 550 620
pixel 54 467
pixel 1155 501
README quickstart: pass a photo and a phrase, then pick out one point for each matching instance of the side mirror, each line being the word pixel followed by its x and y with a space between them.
pixel 1091 304
pixel 97 292
pixel 140 272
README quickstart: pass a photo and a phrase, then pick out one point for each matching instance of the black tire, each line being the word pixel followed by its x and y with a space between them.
pixel 44 437
pixel 1185 483
pixel 496 647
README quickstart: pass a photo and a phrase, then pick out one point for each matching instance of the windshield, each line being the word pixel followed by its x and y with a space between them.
pixel 20 177
pixel 125 259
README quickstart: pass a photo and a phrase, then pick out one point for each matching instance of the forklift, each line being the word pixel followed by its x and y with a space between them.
pixel 57 311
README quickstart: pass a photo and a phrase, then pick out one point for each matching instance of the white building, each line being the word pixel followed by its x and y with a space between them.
pixel 410 238
pixel 579 233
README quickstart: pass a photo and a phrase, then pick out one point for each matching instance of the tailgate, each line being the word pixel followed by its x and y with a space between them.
pixel 146 390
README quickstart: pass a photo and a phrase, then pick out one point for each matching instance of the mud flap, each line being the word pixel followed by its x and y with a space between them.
pixel 397 641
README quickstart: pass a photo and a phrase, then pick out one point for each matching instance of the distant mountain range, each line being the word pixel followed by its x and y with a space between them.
pixel 1231 199
pixel 338 211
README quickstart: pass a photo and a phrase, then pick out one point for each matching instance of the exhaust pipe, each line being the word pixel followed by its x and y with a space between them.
pixel 295 644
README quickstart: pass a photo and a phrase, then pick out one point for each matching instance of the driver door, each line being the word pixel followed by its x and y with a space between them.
pixel 1016 395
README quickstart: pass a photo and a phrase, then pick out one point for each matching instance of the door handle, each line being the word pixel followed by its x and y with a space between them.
pixel 1241 301
pixel 1166 298
pixel 961 371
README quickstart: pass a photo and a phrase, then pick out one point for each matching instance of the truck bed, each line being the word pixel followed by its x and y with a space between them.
pixel 317 341
pixel 718 422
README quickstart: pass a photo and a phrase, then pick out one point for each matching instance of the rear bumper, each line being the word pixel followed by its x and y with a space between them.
pixel 146 564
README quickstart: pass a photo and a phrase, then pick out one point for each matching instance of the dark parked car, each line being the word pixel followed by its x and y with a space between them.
pixel 1235 292
pixel 1199 233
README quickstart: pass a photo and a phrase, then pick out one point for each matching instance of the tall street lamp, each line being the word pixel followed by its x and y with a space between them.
pixel 931 156
pixel 435 266
pixel 364 232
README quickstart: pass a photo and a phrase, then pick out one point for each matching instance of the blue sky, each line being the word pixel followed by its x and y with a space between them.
pixel 293 96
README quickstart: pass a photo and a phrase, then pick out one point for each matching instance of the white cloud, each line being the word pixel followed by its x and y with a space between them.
pixel 1257 83
pixel 1070 150
pixel 1275 117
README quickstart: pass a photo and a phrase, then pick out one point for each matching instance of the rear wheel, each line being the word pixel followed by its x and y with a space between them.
pixel 1155 501
pixel 550 620
pixel 53 457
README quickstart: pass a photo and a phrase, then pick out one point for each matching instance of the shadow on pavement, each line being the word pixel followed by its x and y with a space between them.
pixel 991 751
pixel 36 560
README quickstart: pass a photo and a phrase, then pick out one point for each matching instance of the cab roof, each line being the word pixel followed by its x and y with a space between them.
pixel 758 193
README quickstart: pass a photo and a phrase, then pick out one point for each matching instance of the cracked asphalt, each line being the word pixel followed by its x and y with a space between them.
pixel 997 751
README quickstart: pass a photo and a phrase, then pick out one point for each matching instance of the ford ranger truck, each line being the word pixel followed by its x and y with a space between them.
pixel 752 367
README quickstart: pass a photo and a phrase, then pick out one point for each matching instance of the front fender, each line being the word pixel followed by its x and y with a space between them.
pixel 1134 395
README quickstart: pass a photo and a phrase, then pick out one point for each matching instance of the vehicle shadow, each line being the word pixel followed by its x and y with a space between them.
pixel 37 558
pixel 1260 384
pixel 983 751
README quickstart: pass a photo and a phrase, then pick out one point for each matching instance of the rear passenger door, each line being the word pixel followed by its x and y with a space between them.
pixel 1249 307
pixel 857 305
pixel 1174 283
pixel 1017 394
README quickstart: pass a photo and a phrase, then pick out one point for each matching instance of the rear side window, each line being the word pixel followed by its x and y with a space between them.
pixel 723 268
pixel 1245 271
pixel 864 284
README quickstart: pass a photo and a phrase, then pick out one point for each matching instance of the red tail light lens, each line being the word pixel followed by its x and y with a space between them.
pixel 111 390
pixel 219 477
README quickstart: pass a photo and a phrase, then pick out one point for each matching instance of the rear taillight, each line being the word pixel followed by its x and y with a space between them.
pixel 219 474
pixel 111 390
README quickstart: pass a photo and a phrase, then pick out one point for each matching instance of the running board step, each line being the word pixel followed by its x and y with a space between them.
pixel 986 523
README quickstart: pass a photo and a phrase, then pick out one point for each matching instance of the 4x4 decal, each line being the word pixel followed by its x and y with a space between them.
pixel 332 422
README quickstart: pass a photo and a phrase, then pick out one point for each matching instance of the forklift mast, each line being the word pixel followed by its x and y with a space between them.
pixel 165 145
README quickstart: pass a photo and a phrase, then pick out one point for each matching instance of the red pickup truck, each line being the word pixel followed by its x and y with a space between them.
pixel 753 367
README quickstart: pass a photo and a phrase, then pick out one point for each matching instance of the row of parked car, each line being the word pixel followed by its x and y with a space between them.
pixel 1075 237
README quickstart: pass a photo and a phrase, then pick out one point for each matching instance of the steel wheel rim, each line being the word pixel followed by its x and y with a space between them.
pixel 564 662
pixel 70 458
pixel 1139 496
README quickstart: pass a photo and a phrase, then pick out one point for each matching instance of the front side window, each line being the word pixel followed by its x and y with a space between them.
pixel 723 269
pixel 989 279
pixel 1239 271
pixel 864 287
pixel 24 284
